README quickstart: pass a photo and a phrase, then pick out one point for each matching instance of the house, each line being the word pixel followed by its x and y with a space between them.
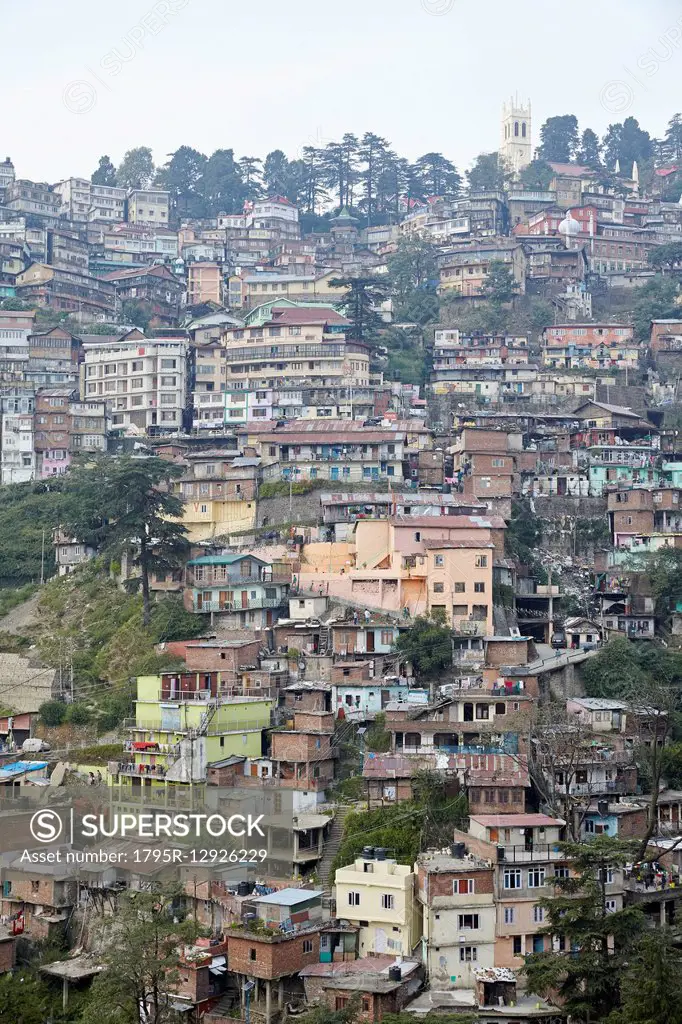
pixel 272 956
pixel 183 721
pixel 581 632
pixel 67 291
pixel 219 491
pixel 244 590
pixel 464 271
pixel 457 894
pixel 384 984
pixel 156 285
pixel 378 894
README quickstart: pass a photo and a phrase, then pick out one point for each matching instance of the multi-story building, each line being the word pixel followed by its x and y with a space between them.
pixel 32 197
pixel 156 285
pixel 464 271
pixel 87 427
pixel 320 449
pixel 526 856
pixel 75 198
pixel 183 722
pixel 298 345
pixel 68 291
pixel 204 283
pixel 457 893
pixel 243 590
pixel 52 431
pixel 143 381
pixel 264 286
pixel 378 895
pixel 17 459
pixel 219 494
pixel 107 203
pixel 15 328
pixel 598 346
pixel 149 206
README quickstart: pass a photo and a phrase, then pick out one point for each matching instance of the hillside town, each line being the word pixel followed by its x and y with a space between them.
pixel 349 492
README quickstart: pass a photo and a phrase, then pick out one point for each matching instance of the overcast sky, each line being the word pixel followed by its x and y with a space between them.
pixel 78 79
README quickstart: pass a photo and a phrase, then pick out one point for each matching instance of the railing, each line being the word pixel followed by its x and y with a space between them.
pixel 128 768
pixel 241 725
pixel 537 852
pixel 253 604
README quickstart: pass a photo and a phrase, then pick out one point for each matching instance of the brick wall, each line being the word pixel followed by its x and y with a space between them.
pixel 256 958
pixel 441 883
pixel 489 799
pixel 306 700
pixel 633 521
pixel 42 891
pixel 632 825
pixel 314 721
pixel 8 954
pixel 506 653
pixel 297 746
pixel 351 673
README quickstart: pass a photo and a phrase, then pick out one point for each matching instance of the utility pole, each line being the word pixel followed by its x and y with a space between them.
pixel 42 560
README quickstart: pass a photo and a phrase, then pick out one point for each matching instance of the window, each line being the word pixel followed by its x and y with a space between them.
pixel 460 588
pixel 479 588
pixel 438 561
pixel 341 1002
pixel 167 364
pixel 482 712
pixel 518 947
pixel 387 901
pixel 252 954
pixel 366 1004
pixel 468 921
pixel 168 382
pixel 512 878
pixel 353 899
pixel 536 878
pixel 481 561
pixel 137 365
pixel 463 886
pixel 611 906
pixel 417 535
pixel 509 915
pixel 467 954
pixel 307 946
pixel 438 588
pixel 539 915
pixel 606 875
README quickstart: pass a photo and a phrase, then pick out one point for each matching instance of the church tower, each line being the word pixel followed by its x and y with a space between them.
pixel 516 147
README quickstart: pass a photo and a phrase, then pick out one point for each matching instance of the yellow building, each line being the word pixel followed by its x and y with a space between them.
pixel 219 495
pixel 179 730
pixel 379 896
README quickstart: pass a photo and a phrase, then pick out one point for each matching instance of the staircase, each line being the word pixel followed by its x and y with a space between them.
pixel 331 847
pixel 324 640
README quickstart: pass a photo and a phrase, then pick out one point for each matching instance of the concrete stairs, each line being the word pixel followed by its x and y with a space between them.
pixel 331 847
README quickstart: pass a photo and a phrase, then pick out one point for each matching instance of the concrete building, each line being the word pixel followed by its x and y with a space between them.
pixel 378 894
pixel 457 894
pixel 17 454
pixel 143 382
pixel 149 206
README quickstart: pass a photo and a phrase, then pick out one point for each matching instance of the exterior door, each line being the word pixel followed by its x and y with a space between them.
pixel 200 601
pixel 370 641
pixel 245 599
pixel 222 599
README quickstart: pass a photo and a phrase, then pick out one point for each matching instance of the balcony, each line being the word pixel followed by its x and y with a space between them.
pixel 536 852
pixel 232 606
pixel 155 726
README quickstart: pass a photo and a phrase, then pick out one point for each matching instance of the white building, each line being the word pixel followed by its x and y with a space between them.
pixel 107 203
pixel 75 197
pixel 143 383
pixel 17 455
